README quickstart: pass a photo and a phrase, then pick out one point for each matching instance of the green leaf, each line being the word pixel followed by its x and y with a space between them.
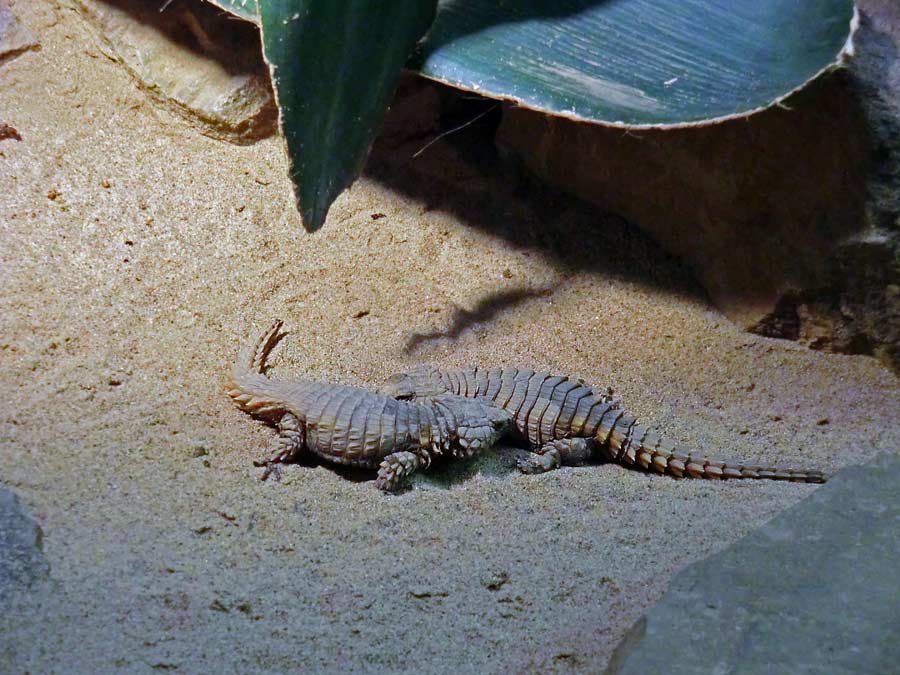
pixel 245 9
pixel 335 65
pixel 635 62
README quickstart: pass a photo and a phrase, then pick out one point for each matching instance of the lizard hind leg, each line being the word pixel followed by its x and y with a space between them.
pixel 552 455
pixel 291 441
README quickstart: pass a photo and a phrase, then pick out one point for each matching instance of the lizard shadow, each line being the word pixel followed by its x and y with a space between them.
pixel 487 307
pixel 497 462
pixel 444 474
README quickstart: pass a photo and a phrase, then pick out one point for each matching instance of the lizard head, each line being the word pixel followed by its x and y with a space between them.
pixel 421 382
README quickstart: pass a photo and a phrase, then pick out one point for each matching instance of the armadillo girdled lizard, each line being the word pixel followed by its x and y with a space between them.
pixel 356 427
pixel 565 421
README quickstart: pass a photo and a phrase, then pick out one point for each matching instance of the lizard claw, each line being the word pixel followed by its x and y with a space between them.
pixel 272 469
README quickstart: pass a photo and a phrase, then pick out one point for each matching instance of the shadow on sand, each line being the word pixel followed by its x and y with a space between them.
pixel 464 173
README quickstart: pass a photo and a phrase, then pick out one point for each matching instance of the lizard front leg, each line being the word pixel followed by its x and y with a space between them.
pixel 398 466
pixel 552 455
pixel 291 441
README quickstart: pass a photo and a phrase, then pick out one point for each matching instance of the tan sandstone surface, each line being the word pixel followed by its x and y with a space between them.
pixel 135 256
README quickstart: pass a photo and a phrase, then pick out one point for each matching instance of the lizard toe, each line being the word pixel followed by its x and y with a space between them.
pixel 536 464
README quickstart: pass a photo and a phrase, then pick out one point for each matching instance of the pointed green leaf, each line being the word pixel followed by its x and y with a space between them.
pixel 635 62
pixel 335 65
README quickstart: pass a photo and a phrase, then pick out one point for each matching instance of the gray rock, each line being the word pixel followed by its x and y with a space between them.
pixel 14 37
pixel 868 271
pixel 815 590
pixel 22 561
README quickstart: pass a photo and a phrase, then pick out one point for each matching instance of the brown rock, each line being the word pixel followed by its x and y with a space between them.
pixel 414 113
pixel 754 205
pixel 194 59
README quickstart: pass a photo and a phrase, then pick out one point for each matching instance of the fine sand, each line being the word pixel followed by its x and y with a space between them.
pixel 137 254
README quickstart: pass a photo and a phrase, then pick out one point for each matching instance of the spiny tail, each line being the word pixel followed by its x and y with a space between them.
pixel 630 443
pixel 248 386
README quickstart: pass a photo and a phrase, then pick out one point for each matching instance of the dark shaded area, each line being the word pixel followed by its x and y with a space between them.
pixel 755 206
pixel 498 462
pixel 445 471
pixel 201 28
pixel 464 173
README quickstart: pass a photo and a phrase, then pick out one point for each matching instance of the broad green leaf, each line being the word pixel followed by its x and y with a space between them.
pixel 335 65
pixel 245 9
pixel 635 62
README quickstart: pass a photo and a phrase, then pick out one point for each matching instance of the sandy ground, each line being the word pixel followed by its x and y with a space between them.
pixel 137 254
